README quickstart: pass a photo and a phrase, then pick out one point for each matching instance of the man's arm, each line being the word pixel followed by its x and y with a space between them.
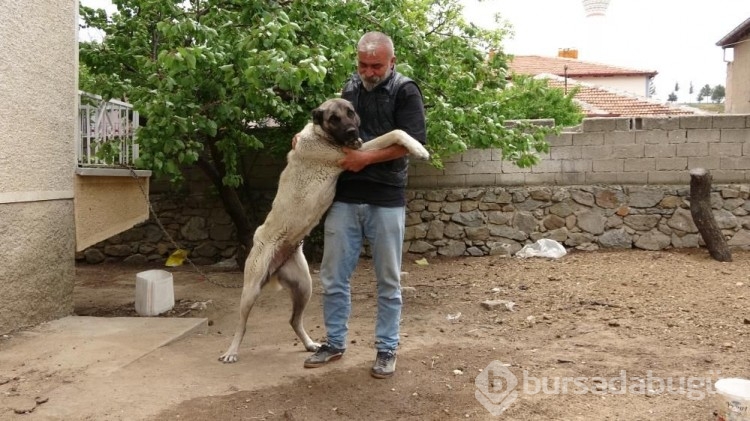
pixel 355 160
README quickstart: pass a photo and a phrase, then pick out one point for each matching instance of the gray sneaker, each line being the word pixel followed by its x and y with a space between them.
pixel 385 364
pixel 323 356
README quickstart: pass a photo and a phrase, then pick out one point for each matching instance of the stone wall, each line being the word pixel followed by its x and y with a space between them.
pixel 195 222
pixel 610 183
pixel 500 220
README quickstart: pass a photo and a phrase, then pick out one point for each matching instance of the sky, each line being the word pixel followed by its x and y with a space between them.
pixel 676 38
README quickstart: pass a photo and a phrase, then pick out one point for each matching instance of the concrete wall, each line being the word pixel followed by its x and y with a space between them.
pixel 650 151
pixel 108 202
pixel 737 99
pixel 38 117
pixel 615 183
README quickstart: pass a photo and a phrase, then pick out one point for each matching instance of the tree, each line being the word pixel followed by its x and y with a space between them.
pixel 718 93
pixel 216 80
pixel 705 92
pixel 533 98
pixel 672 97
pixel 690 91
pixel 676 86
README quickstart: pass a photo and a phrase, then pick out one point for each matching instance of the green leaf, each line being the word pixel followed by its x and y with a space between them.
pixel 212 127
pixel 190 60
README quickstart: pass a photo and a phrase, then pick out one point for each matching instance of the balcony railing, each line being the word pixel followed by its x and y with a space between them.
pixel 107 133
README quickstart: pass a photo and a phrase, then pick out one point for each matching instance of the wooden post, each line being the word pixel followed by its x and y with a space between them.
pixel 703 217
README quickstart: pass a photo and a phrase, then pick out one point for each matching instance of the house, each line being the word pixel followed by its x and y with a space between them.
pixel 50 203
pixel 566 65
pixel 737 100
pixel 603 90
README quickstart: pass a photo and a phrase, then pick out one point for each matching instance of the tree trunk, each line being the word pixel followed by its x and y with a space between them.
pixel 703 217
pixel 233 205
pixel 235 209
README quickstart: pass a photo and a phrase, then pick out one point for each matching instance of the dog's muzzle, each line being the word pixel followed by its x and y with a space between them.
pixel 354 144
pixel 352 139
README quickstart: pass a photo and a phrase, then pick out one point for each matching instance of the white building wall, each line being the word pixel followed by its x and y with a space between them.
pixel 636 85
pixel 737 99
pixel 38 118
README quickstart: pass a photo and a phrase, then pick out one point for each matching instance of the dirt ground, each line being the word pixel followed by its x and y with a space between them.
pixel 626 335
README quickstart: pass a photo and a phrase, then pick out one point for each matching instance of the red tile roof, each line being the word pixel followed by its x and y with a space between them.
pixel 597 101
pixel 534 65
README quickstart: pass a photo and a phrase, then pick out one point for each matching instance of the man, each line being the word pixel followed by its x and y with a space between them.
pixel 370 203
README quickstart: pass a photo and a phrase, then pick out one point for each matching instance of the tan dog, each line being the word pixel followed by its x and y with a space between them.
pixel 306 189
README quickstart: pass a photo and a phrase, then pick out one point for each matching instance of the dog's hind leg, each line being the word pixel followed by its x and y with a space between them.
pixel 294 275
pixel 256 273
pixel 250 293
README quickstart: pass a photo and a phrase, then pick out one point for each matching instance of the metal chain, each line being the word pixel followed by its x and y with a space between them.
pixel 169 237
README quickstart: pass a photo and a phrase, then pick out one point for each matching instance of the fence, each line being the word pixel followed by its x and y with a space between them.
pixel 107 132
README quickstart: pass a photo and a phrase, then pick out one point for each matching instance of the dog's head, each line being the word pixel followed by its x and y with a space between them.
pixel 340 121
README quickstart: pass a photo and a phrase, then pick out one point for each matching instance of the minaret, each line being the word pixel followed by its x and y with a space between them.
pixel 595 7
pixel 595 44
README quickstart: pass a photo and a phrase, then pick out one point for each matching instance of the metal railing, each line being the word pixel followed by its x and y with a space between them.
pixel 107 132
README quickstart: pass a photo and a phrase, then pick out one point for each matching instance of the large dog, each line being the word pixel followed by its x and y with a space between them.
pixel 306 189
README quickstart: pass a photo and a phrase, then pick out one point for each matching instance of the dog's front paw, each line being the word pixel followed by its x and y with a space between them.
pixel 420 153
pixel 229 358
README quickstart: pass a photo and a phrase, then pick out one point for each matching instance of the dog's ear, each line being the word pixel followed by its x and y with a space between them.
pixel 317 115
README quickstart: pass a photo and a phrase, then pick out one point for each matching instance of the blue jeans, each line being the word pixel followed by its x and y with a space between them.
pixel 346 227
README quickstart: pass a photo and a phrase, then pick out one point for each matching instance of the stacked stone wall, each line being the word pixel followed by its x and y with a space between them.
pixel 610 183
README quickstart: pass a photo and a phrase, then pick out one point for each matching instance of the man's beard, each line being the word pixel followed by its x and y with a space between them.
pixel 370 83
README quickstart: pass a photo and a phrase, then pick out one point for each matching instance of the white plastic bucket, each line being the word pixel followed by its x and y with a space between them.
pixel 733 400
pixel 154 292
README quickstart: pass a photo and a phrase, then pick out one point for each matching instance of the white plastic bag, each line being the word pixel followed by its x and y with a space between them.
pixel 544 247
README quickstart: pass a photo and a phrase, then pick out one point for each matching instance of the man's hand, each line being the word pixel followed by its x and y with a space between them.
pixel 354 160
pixel 295 139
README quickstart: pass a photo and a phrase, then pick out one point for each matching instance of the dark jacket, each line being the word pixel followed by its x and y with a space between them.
pixel 382 110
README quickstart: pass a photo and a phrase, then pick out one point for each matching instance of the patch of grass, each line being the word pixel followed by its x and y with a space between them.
pixel 707 106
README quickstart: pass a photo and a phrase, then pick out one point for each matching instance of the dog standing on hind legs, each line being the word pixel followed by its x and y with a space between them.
pixel 306 190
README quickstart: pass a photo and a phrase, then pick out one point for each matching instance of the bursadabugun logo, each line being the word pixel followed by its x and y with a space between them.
pixel 496 388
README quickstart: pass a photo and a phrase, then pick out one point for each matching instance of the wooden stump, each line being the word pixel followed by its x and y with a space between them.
pixel 703 217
